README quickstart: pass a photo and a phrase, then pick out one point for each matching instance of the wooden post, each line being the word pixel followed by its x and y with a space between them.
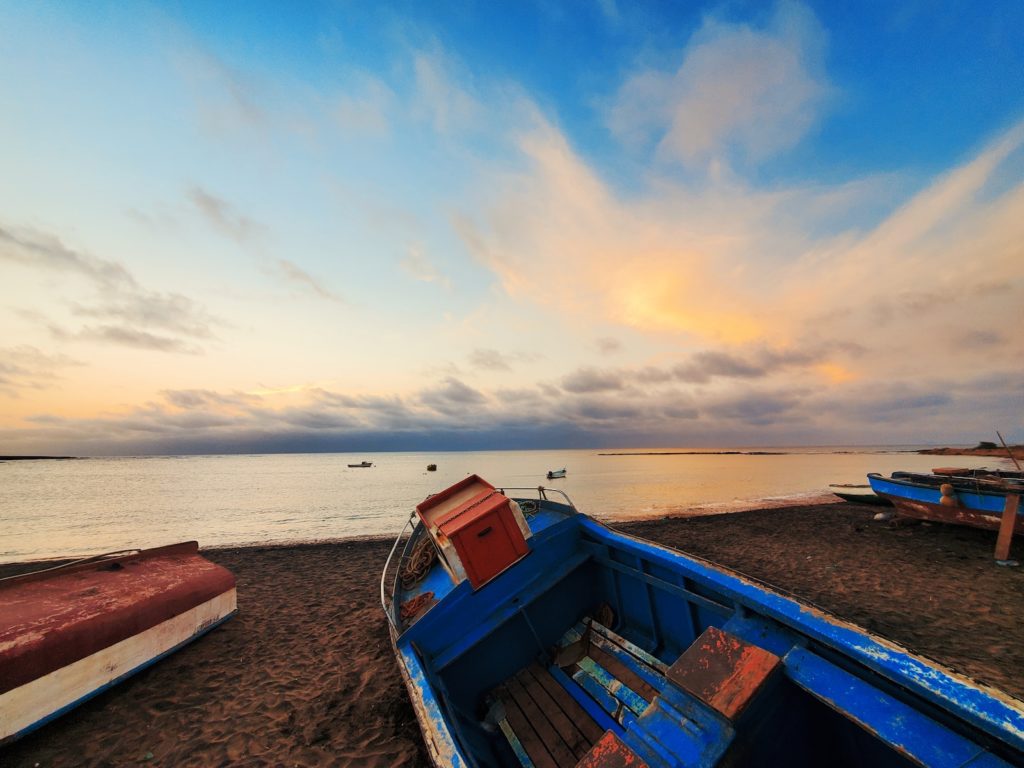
pixel 1006 527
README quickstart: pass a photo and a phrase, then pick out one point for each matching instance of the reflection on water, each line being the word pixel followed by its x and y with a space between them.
pixel 53 508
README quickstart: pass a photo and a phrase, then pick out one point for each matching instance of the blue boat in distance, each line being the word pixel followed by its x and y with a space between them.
pixel 528 634
pixel 975 501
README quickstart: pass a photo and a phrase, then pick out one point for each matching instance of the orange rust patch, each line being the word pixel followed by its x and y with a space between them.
pixel 611 752
pixel 723 671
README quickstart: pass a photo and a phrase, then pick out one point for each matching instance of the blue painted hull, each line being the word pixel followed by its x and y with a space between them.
pixel 837 696
pixel 973 506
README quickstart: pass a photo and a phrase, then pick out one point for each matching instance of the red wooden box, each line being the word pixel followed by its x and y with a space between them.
pixel 481 525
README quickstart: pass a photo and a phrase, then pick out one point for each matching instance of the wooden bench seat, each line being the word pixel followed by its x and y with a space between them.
pixel 553 716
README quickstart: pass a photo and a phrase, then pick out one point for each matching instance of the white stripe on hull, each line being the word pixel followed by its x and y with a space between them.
pixel 37 700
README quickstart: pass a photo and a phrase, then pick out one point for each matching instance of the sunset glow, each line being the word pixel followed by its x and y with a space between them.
pixel 329 227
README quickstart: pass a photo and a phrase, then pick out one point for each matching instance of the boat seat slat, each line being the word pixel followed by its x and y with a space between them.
pixel 571 735
pixel 622 673
pixel 579 716
pixel 525 732
pixel 638 653
pixel 649 675
pixel 618 689
pixel 517 746
pixel 548 734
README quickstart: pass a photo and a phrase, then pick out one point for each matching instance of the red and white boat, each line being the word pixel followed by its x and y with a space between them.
pixel 71 632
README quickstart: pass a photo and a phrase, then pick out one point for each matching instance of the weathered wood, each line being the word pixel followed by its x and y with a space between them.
pixel 554 744
pixel 579 716
pixel 1006 526
pixel 571 735
pixel 623 673
pixel 525 732
pixel 723 671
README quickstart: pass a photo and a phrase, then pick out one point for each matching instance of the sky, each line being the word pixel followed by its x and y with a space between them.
pixel 259 227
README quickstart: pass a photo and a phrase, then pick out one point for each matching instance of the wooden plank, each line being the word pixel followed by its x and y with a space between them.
pixel 652 677
pixel 517 747
pixel 633 650
pixel 622 673
pixel 1006 527
pixel 587 725
pixel 570 734
pixel 554 744
pixel 527 736
pixel 619 690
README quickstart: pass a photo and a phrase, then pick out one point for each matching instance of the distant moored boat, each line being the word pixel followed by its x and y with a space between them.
pixel 556 473
pixel 361 465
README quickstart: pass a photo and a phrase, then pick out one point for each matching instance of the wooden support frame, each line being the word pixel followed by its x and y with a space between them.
pixel 1006 527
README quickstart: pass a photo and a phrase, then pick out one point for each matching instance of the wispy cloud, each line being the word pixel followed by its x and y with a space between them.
pixel 27 367
pixel 300 277
pixel 145 319
pixel 220 214
pixel 417 264
pixel 441 97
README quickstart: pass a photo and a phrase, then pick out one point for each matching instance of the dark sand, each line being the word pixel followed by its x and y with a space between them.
pixel 304 674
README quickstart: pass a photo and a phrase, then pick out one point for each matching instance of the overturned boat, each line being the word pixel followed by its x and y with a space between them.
pixel 69 633
pixel 530 635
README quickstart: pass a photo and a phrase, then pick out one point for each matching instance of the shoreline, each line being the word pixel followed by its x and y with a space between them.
pixel 683 512
pixel 304 675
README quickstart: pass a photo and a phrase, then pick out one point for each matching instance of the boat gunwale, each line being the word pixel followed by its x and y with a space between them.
pixel 959 491
pixel 991 711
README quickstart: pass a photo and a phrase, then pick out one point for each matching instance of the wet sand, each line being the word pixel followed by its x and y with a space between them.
pixel 304 675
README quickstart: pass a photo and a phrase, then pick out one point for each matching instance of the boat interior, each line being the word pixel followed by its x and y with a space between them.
pixel 600 649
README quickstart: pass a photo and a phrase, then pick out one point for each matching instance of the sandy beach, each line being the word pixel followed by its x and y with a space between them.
pixel 304 676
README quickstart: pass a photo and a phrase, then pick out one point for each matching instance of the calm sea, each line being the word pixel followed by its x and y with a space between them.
pixel 88 506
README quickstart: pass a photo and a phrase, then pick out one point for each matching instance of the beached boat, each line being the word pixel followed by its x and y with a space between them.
pixel 975 501
pixel 69 633
pixel 361 465
pixel 858 494
pixel 530 635
pixel 554 474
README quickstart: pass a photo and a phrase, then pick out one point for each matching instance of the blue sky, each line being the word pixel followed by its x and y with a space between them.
pixel 258 226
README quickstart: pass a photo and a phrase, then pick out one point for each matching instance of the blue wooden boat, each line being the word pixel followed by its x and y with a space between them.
pixel 975 501
pixel 589 647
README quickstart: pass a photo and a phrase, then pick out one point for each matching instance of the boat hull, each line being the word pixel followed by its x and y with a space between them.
pixel 859 494
pixel 977 509
pixel 469 656
pixel 67 636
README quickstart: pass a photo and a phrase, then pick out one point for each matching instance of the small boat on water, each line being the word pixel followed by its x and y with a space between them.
pixel 977 501
pixel 528 634
pixel 554 474
pixel 69 633
pixel 858 494
pixel 431 467
pixel 361 465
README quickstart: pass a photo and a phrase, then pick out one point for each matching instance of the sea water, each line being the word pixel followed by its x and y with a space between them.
pixel 88 506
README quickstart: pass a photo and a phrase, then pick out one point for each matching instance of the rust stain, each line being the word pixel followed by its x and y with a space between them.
pixel 723 671
pixel 611 752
